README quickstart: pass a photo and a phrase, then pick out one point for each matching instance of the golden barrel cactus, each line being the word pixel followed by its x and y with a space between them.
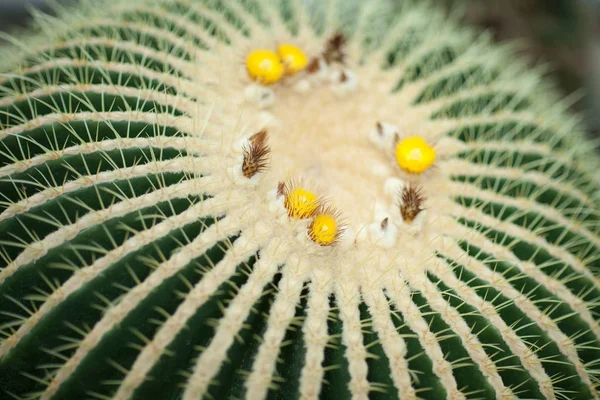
pixel 291 199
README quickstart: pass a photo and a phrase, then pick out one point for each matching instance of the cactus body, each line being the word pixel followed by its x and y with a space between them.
pixel 138 260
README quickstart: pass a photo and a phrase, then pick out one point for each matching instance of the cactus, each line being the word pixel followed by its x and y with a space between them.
pixel 180 220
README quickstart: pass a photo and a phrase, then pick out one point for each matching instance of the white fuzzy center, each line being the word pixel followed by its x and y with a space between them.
pixel 323 138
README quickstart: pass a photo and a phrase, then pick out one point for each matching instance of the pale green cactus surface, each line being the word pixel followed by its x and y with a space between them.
pixel 137 261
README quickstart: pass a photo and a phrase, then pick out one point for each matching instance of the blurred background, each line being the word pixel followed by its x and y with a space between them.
pixel 565 33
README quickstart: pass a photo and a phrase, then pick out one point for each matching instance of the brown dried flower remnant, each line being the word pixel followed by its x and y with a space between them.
pixel 343 77
pixel 410 202
pixel 256 154
pixel 334 49
pixel 281 189
pixel 384 224
pixel 332 53
pixel 313 66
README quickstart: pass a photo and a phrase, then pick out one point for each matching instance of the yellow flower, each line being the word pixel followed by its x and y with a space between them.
pixel 294 60
pixel 301 203
pixel 414 154
pixel 264 66
pixel 323 230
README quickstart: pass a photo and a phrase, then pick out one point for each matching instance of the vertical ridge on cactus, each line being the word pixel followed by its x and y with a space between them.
pixel 148 250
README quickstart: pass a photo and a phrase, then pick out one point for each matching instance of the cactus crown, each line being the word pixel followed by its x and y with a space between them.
pixel 290 199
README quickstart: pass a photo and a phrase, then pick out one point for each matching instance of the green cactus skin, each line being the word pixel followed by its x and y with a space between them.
pixel 135 263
